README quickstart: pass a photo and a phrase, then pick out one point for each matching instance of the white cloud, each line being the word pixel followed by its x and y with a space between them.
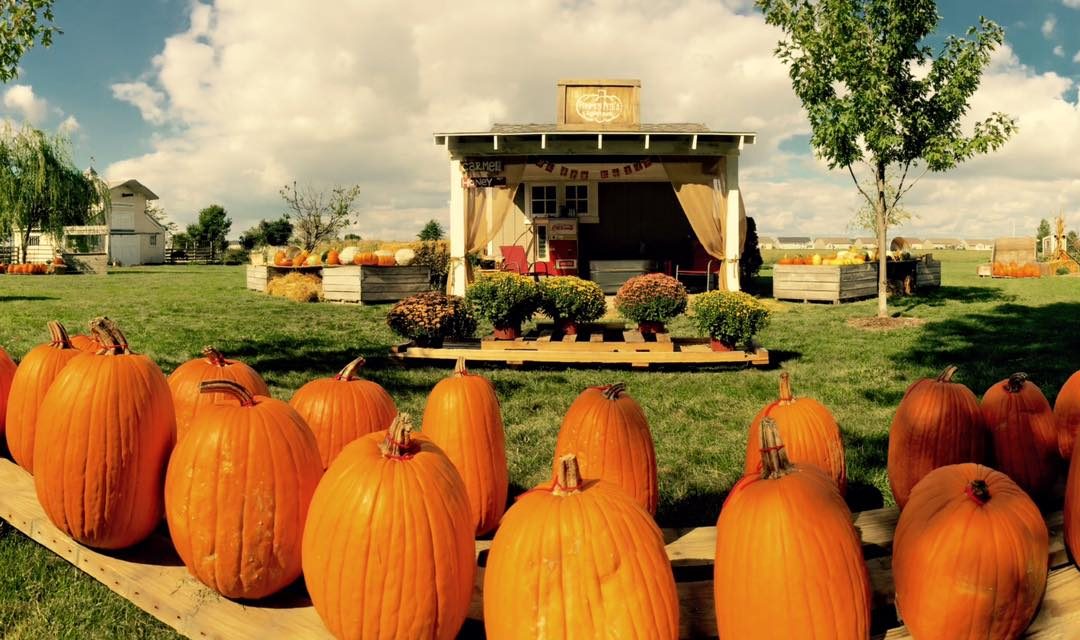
pixel 21 99
pixel 1049 25
pixel 69 126
pixel 1076 58
pixel 144 97
pixel 1072 4
pixel 1059 51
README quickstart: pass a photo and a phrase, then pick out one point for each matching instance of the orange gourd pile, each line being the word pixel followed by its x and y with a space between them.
pixel 1014 270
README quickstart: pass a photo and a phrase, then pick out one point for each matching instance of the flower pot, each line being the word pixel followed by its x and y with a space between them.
pixel 511 332
pixel 721 345
pixel 566 327
pixel 651 327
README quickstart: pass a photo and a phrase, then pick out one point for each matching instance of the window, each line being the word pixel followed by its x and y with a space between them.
pixel 576 199
pixel 543 200
pixel 153 240
pixel 35 241
pixel 541 242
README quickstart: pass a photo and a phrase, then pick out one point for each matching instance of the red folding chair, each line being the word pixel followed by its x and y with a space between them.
pixel 701 265
pixel 514 260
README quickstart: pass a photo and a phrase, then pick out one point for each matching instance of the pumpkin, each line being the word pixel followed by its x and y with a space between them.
pixel 298 261
pixel 579 558
pixel 85 343
pixel 184 383
pixel 1072 506
pixel 1067 415
pixel 32 379
pixel 937 423
pixel 280 257
pixel 404 257
pixel 607 431
pixel 789 562
pixel 7 374
pixel 237 492
pixel 333 258
pixel 969 556
pixel 386 261
pixel 343 408
pixel 314 260
pixel 1023 433
pixel 809 430
pixel 347 255
pixel 388 547
pixel 98 492
pixel 784 260
pixel 462 416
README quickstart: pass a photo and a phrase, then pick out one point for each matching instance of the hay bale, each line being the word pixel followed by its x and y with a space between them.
pixel 296 287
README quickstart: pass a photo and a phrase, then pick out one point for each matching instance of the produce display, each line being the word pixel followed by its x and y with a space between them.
pixel 840 258
pixel 1014 270
pixel 336 255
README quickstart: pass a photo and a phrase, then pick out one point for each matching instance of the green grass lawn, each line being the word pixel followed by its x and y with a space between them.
pixel 989 328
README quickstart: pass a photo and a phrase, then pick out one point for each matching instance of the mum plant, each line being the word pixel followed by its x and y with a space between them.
pixel 651 300
pixel 506 299
pixel 729 317
pixel 570 300
pixel 430 317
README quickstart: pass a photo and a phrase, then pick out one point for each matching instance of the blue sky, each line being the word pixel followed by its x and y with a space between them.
pixel 227 101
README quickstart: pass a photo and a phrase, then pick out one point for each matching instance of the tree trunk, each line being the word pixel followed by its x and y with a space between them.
pixel 882 227
pixel 25 245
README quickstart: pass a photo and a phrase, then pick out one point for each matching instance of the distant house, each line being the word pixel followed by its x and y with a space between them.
pixel 942 243
pixel 867 242
pixel 794 242
pixel 833 243
pixel 978 244
pixel 129 236
pixel 765 242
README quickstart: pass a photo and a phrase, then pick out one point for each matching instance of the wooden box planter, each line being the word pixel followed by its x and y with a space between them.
pixel 927 272
pixel 257 277
pixel 368 285
pixel 824 283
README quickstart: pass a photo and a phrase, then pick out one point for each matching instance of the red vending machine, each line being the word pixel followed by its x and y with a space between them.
pixel 563 246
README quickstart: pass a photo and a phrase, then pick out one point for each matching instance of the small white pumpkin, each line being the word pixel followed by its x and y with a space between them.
pixel 404 257
pixel 347 254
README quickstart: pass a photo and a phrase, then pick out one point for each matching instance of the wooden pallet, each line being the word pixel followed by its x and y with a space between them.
pixel 590 338
pixel 152 578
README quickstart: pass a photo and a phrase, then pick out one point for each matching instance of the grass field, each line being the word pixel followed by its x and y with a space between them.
pixel 989 328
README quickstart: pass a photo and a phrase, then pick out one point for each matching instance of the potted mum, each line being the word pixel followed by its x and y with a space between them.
pixel 506 299
pixel 651 300
pixel 429 318
pixel 571 301
pixel 729 318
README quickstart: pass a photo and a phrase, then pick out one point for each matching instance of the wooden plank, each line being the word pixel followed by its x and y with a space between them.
pixel 572 345
pixel 760 357
pixel 596 336
pixel 544 337
pixel 633 336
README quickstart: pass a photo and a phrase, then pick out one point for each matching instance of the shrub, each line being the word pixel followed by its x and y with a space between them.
pixel 651 298
pixel 235 256
pixel 431 316
pixel 571 298
pixel 732 317
pixel 436 257
pixel 506 299
pixel 1062 271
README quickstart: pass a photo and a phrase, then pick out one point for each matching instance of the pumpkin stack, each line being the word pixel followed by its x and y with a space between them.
pixel 100 493
pixel 185 380
pixel 343 408
pixel 809 431
pixel 1023 434
pixel 463 417
pixel 607 431
pixel 388 547
pixel 937 423
pixel 237 492
pixel 969 556
pixel 32 380
pixel 789 562
pixel 579 559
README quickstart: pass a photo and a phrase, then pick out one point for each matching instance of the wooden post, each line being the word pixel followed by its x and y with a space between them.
pixel 732 239
pixel 456 281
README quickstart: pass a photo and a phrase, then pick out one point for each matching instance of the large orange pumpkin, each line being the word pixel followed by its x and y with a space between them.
pixel 85 343
pixel 343 408
pixel 386 261
pixel 7 374
pixel 579 558
pixel 333 258
pixel 969 556
pixel 33 378
pixel 1072 505
pixel 104 431
pixel 237 492
pixel 789 562
pixel 388 548
pixel 184 382
pixel 937 423
pixel 1067 415
pixel 462 416
pixel 607 431
pixel 1023 433
pixel 366 258
pixel 809 431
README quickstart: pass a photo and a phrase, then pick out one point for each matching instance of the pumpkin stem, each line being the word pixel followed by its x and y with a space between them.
pixel 1016 382
pixel 947 374
pixel 109 336
pixel 459 368
pixel 214 356
pixel 613 391
pixel 786 397
pixel 978 491
pixel 58 336
pixel 774 458
pixel 399 443
pixel 349 372
pixel 228 387
pixel 567 476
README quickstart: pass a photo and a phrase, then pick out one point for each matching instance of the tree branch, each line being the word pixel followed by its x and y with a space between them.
pixel 859 186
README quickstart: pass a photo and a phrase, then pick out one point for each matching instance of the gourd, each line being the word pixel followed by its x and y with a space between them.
pixel 184 383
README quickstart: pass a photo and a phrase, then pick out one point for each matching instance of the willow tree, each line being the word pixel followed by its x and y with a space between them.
pixel 879 98
pixel 41 189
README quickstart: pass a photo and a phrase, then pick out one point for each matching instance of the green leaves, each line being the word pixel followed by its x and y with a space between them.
pixel 23 23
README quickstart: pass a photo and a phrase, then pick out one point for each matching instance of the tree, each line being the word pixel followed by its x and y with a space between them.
pixel 23 23
pixel 211 229
pixel 1041 232
pixel 317 216
pixel 273 233
pixel 432 231
pixel 40 187
pixel 353 236
pixel 866 213
pixel 751 261
pixel 182 241
pixel 1072 244
pixel 161 217
pixel 877 96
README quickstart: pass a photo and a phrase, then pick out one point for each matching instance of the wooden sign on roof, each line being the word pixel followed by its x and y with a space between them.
pixel 598 105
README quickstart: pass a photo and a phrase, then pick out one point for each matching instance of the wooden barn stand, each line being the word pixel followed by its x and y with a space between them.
pixel 841 283
pixel 348 283
pixel 152 577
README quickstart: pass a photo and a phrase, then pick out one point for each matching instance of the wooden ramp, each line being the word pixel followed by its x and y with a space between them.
pixel 152 578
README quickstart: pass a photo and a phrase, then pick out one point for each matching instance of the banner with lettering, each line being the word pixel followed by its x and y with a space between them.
pixel 541 170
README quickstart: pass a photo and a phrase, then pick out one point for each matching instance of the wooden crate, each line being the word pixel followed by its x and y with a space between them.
pixel 824 283
pixel 927 272
pixel 257 277
pixel 151 577
pixel 366 284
